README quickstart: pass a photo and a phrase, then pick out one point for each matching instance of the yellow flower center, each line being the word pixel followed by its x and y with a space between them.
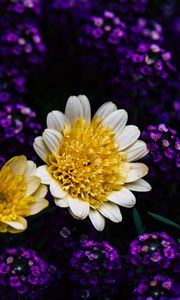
pixel 88 164
pixel 13 200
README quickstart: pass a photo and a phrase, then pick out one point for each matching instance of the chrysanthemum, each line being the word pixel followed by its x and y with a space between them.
pixel 90 164
pixel 21 194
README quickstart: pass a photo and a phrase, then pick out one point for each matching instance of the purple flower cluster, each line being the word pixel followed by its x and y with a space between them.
pixel 151 62
pixel 12 82
pixel 97 268
pixel 22 41
pixel 21 45
pixel 156 287
pixel 18 128
pixel 21 6
pixel 104 31
pixel 24 272
pixel 146 30
pixel 154 251
pixel 164 150
pixel 158 255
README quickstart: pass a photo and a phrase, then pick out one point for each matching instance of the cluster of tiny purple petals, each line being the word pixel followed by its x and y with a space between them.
pixel 21 6
pixel 96 267
pixel 18 128
pixel 164 150
pixel 24 271
pixel 147 29
pixel 154 251
pixel 152 62
pixel 12 82
pixel 154 287
pixel 23 41
pixel 103 31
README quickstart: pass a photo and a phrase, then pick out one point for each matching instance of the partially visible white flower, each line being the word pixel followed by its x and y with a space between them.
pixel 91 165
pixel 21 194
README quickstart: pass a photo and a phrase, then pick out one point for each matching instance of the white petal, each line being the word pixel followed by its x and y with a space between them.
pixel 97 219
pixel 123 197
pixel 73 215
pixel 140 185
pixel 105 110
pixel 33 183
pixel 78 207
pixel 19 225
pixel 30 169
pixel 86 107
pixel 17 164
pixel 138 170
pixel 43 173
pixel 57 120
pixel 73 109
pixel 41 149
pixel 56 190
pixel 116 120
pixel 61 202
pixel 38 206
pixel 136 151
pixel 41 191
pixel 52 139
pixel 129 135
pixel 111 211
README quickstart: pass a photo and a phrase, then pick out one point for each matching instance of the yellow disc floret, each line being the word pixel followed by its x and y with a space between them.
pixel 13 200
pixel 88 164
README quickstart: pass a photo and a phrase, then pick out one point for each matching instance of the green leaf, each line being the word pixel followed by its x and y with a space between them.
pixel 138 222
pixel 164 220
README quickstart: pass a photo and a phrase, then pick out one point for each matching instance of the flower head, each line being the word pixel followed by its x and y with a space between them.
pixel 90 164
pixel 164 150
pixel 21 194
pixel 22 6
pixel 96 266
pixel 152 252
pixel 23 43
pixel 22 271
pixel 155 287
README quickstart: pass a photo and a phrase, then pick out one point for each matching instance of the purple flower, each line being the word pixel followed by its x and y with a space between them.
pixel 96 266
pixel 169 152
pixel 169 252
pixel 4 268
pixel 14 281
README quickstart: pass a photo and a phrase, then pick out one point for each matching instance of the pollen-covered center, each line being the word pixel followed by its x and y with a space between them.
pixel 88 164
pixel 13 199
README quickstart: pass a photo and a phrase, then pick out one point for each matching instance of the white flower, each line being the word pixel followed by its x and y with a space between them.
pixel 91 166
pixel 21 194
